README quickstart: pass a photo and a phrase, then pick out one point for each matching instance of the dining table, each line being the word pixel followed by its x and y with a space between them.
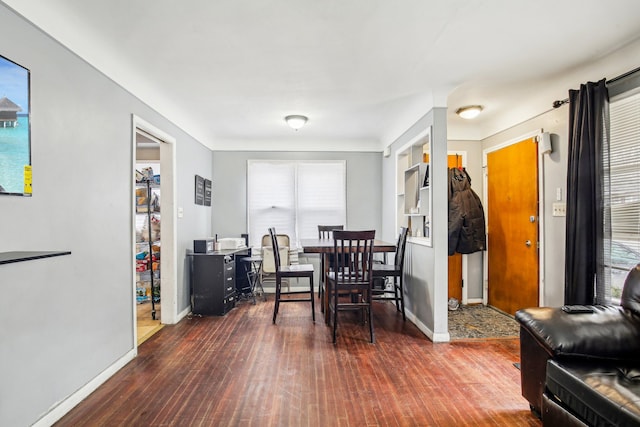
pixel 324 247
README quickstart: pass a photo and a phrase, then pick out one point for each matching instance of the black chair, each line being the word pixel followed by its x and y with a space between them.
pixel 385 271
pixel 325 232
pixel 290 271
pixel 349 284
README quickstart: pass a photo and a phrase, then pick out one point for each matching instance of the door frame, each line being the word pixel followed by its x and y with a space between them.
pixel 168 226
pixel 485 198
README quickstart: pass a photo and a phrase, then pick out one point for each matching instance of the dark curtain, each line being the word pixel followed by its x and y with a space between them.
pixel 587 172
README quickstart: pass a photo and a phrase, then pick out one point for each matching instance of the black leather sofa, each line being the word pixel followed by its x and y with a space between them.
pixel 584 369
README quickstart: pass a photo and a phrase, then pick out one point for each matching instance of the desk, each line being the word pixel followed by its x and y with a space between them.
pixel 324 247
pixel 213 281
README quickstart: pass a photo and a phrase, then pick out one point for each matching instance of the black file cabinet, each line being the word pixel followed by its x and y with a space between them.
pixel 213 283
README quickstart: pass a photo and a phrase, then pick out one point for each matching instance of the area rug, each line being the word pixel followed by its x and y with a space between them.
pixel 481 322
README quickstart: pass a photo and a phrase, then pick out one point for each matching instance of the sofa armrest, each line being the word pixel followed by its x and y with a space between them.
pixel 610 332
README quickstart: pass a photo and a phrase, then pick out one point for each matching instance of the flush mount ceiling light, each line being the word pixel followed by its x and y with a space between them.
pixel 469 112
pixel 295 122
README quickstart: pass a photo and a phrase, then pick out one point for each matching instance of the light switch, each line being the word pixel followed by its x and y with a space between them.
pixel 559 194
pixel 180 212
pixel 560 209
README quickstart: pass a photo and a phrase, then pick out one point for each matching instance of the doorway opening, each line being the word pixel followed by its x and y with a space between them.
pixel 457 293
pixel 153 234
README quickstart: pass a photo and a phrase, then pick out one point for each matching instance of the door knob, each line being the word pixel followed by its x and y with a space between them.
pixel 527 243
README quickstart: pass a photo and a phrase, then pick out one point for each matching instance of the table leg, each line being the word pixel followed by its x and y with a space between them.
pixel 325 295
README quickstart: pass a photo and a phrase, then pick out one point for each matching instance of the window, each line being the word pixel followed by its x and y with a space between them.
pixel 294 197
pixel 624 158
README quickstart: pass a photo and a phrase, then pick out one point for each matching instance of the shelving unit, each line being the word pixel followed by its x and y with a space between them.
pixel 148 243
pixel 413 192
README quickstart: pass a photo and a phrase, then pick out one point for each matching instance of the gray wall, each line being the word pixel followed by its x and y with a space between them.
pixel 364 180
pixel 425 267
pixel 65 320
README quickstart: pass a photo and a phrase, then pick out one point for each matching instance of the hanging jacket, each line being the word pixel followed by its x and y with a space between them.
pixel 467 232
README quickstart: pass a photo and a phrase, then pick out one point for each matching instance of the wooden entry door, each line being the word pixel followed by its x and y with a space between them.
pixel 512 189
pixel 455 260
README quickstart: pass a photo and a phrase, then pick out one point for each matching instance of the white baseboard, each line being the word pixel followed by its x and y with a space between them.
pixel 440 337
pixel 184 313
pixel 59 409
pixel 475 301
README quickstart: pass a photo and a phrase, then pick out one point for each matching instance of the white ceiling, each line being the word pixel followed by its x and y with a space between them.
pixel 363 71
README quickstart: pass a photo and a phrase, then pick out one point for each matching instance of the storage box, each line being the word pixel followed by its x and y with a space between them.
pixel 231 243
pixel 203 246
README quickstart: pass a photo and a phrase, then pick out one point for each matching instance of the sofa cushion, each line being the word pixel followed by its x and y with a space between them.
pixel 630 298
pixel 610 332
pixel 597 392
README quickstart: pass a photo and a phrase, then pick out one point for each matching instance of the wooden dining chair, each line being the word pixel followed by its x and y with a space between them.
pixel 325 232
pixel 290 271
pixel 394 271
pixel 349 283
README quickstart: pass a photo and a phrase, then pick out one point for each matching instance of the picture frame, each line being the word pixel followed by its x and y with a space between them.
pixel 15 129
pixel 199 190
pixel 207 192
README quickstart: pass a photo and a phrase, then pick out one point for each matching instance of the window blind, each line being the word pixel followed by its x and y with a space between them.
pixel 294 197
pixel 625 168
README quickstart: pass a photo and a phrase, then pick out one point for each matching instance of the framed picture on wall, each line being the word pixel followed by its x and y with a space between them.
pixel 207 192
pixel 15 129
pixel 199 194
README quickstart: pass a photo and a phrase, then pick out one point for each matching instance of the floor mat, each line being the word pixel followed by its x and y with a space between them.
pixel 481 322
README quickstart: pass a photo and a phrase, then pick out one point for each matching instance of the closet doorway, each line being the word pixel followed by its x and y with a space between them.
pixel 148 220
pixel 154 251
pixel 456 160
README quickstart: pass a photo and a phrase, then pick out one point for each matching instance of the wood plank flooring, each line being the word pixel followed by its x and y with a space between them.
pixel 145 323
pixel 241 370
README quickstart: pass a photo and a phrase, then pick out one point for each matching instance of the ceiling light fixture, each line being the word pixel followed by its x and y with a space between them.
pixel 295 122
pixel 469 112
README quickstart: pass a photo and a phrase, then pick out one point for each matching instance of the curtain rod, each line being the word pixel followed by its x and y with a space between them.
pixel 561 102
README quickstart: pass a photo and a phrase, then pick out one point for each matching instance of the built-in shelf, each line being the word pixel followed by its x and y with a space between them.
pixel 413 208
pixel 20 256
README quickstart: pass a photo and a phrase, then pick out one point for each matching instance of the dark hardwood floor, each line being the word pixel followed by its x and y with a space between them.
pixel 241 370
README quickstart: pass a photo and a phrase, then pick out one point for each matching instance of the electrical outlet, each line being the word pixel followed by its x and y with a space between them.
pixel 560 209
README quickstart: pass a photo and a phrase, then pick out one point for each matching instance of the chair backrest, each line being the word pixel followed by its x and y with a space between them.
pixel 268 254
pixel 276 248
pixel 326 231
pixel 283 240
pixel 400 246
pixel 358 245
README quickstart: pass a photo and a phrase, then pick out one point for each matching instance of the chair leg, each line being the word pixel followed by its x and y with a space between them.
pixel 396 289
pixel 335 316
pixel 369 300
pixel 401 291
pixel 312 298
pixel 321 273
pixel 277 302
